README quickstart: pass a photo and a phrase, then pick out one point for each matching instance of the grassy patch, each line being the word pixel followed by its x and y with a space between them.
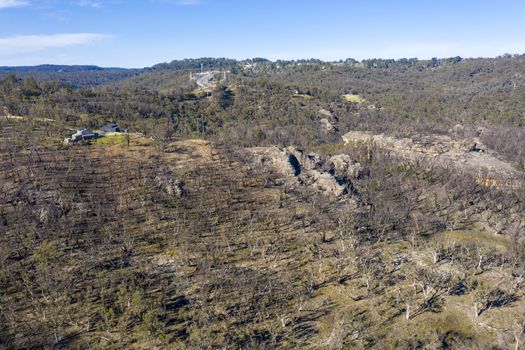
pixel 474 237
pixel 116 139
pixel 201 92
pixel 451 326
pixel 353 98
pixel 302 96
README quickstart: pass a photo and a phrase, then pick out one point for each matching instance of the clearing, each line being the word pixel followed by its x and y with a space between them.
pixel 353 98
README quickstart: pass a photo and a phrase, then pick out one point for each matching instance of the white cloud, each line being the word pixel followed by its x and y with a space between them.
pixel 12 3
pixel 31 43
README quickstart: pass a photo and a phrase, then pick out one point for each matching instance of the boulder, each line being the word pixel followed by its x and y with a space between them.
pixel 344 166
pixel 327 126
pixel 325 113
pixel 352 137
pixel 177 188
pixel 282 161
pixel 170 185
pixel 289 161
pixel 325 183
pixel 308 161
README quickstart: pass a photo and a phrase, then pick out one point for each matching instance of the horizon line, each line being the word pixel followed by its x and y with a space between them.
pixel 341 60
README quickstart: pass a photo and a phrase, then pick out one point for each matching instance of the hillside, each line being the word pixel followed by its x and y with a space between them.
pixel 196 244
pixel 430 93
pixel 76 76
pixel 309 205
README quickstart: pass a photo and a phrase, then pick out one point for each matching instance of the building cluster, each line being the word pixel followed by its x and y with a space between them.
pixel 86 134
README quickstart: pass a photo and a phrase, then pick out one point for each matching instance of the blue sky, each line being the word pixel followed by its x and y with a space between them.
pixel 135 33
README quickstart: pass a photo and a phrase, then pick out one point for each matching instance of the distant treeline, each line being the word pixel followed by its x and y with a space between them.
pixel 264 102
pixel 75 76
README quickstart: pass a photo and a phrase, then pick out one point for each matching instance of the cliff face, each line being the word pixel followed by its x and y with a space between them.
pixel 331 176
pixel 467 155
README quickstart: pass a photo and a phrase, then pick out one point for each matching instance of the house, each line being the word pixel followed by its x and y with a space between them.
pixel 81 135
pixel 110 128
pixel 84 134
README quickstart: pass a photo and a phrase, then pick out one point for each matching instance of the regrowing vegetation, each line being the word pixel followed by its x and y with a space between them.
pixel 290 204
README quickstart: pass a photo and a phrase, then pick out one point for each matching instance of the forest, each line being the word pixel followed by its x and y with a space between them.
pixel 243 216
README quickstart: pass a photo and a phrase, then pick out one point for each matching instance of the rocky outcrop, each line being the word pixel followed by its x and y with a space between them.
pixel 176 188
pixel 170 185
pixel 467 155
pixel 325 113
pixel 330 176
pixel 345 166
pixel 325 183
pixel 326 126
pixel 327 122
pixel 282 160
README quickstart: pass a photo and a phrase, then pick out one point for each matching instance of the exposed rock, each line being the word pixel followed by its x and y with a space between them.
pixel 312 169
pixel 467 155
pixel 177 188
pixel 170 185
pixel 357 137
pixel 328 120
pixel 325 112
pixel 312 161
pixel 477 148
pixel 325 183
pixel 345 166
pixel 281 160
pixel 327 126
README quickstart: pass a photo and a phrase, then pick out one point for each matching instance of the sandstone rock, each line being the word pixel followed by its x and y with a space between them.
pixel 311 170
pixel 282 161
pixel 357 136
pixel 170 185
pixel 177 188
pixel 312 161
pixel 468 155
pixel 345 166
pixel 325 113
pixel 325 183
pixel 327 126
